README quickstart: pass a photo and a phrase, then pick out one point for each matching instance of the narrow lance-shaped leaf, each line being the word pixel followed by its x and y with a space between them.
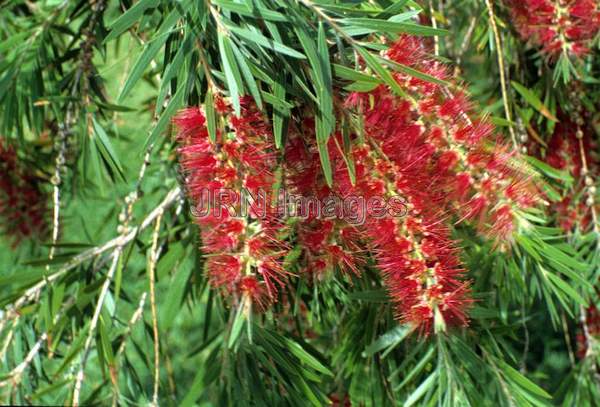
pixel 321 78
pixel 383 73
pixel 280 114
pixel 107 149
pixel 533 100
pixel 247 74
pixel 211 116
pixel 265 42
pixel 129 18
pixel 234 81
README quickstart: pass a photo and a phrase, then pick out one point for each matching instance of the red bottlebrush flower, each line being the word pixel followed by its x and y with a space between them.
pixel 442 160
pixel 426 156
pixel 340 401
pixel 241 241
pixel 454 106
pixel 190 120
pixel 503 223
pixel 566 152
pixel 224 270
pixel 555 27
pixel 23 203
pixel 251 288
pixel 407 50
pixel 447 160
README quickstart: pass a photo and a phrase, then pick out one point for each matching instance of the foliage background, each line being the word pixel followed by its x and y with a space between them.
pixel 518 350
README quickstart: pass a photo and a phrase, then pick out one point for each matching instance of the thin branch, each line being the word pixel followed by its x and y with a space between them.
pixel 151 278
pixel 436 39
pixel 118 245
pixel 14 376
pixel 65 128
pixel 94 322
pixel 134 318
pixel 568 342
pixel 171 197
pixel 501 68
pixel 465 45
pixel 8 338
pixel 132 321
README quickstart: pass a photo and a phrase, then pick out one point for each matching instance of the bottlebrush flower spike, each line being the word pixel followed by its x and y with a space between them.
pixel 22 201
pixel 326 241
pixel 242 244
pixel 567 152
pixel 448 158
pixel 426 154
pixel 557 26
pixel 430 149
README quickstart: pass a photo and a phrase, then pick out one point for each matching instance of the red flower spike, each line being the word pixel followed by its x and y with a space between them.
pixel 448 167
pixel 564 153
pixel 23 203
pixel 245 253
pixel 427 153
pixel 553 28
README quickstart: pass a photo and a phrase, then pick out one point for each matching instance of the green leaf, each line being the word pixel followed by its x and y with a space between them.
pixel 383 73
pixel 279 103
pixel 265 42
pixel 533 100
pixel 14 40
pixel 247 74
pixel 393 8
pixel 306 357
pixel 107 149
pixel 501 121
pixel 361 87
pixel 280 116
pixel 129 18
pixel 173 71
pixel 318 57
pixel 105 342
pixel 236 328
pixel 390 338
pixel 417 369
pixel 251 10
pixel 167 114
pixel 352 75
pixel 421 390
pixel 232 73
pixel 173 299
pixel 549 171
pixel 211 115
pixel 564 286
pixel 322 130
pixel 390 26
pixel 412 72
pixel 345 151
pixel 141 64
pixel 326 93
pixel 522 381
pixel 325 123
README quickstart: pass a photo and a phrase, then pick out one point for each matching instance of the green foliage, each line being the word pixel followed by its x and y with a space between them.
pixel 110 75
